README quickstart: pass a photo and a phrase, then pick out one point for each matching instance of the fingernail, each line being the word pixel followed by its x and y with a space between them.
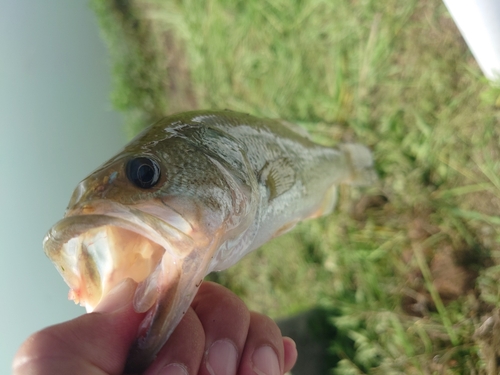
pixel 173 369
pixel 265 361
pixel 222 358
pixel 118 297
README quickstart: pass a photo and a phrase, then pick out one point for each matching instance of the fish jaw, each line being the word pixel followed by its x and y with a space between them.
pixel 98 245
pixel 164 316
pixel 82 248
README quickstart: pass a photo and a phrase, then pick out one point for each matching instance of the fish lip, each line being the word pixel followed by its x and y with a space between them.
pixel 101 213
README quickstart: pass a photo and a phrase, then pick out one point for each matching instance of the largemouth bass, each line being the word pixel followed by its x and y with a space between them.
pixel 192 194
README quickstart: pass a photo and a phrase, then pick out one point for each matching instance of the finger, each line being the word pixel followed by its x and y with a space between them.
pixel 225 319
pixel 291 354
pixel 264 351
pixel 183 352
pixel 95 343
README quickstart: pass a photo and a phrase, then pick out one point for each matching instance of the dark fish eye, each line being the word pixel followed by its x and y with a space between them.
pixel 143 172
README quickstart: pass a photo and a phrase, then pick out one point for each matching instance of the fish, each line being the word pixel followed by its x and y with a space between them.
pixel 192 194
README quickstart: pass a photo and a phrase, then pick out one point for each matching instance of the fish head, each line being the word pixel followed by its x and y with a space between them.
pixel 155 213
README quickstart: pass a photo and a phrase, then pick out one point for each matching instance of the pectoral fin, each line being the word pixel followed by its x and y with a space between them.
pixel 278 176
pixel 285 228
pixel 327 204
pixel 296 129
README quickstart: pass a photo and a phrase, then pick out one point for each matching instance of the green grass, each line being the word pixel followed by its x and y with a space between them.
pixel 393 75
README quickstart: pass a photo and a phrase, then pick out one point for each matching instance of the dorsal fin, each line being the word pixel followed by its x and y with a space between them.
pixel 278 176
pixel 295 128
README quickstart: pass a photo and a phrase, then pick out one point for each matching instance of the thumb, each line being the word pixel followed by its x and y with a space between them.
pixel 95 343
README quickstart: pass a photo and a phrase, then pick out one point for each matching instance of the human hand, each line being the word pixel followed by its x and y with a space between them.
pixel 218 335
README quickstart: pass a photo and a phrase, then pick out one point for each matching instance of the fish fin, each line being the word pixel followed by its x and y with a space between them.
pixel 361 162
pixel 278 176
pixel 295 128
pixel 327 204
pixel 285 228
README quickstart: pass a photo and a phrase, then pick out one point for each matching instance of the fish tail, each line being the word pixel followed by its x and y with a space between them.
pixel 361 162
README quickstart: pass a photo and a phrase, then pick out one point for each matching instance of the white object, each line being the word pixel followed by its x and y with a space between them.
pixel 479 23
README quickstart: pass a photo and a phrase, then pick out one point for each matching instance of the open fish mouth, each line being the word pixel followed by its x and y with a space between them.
pixel 99 245
pixel 94 253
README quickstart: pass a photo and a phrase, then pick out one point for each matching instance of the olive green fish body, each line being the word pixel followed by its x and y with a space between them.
pixel 283 174
pixel 191 194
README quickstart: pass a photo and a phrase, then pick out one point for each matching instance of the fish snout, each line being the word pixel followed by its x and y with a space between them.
pixel 93 188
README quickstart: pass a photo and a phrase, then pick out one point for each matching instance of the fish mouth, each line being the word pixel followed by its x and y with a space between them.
pixel 98 245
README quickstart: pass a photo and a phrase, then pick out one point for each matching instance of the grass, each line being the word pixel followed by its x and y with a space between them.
pixel 408 269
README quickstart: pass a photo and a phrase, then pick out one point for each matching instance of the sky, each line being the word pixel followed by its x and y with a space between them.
pixel 56 126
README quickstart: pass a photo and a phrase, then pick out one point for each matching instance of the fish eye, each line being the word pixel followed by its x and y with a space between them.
pixel 143 172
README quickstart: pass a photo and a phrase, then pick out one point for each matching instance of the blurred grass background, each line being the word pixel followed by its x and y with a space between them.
pixel 407 271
